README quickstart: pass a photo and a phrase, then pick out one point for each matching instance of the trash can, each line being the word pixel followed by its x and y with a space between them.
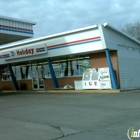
pixel 23 86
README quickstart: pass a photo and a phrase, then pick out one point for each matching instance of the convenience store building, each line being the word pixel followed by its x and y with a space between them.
pixel 57 60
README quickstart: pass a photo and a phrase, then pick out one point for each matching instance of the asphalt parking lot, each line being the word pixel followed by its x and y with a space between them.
pixel 68 116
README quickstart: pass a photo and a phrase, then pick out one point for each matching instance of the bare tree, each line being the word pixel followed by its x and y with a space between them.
pixel 132 29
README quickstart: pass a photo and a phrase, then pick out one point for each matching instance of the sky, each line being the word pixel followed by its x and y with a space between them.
pixel 56 16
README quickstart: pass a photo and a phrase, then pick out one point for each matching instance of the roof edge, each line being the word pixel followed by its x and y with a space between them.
pixel 120 32
pixel 47 37
pixel 20 20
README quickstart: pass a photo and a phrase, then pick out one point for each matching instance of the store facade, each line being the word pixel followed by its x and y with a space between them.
pixel 58 60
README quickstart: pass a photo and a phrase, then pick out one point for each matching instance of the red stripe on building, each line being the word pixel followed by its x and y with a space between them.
pixel 40 48
pixel 11 27
pixel 6 55
pixel 72 42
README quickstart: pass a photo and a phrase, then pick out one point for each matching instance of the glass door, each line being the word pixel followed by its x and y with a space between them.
pixel 37 77
pixel 40 77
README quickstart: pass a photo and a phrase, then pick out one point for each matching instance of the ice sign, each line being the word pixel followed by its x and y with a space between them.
pixel 96 79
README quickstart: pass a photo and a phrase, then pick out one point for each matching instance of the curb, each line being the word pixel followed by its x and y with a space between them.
pixel 62 91
pixel 69 91
pixel 80 91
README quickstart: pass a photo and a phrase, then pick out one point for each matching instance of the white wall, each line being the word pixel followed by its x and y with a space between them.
pixel 75 48
pixel 68 44
pixel 128 57
pixel 113 39
pixel 129 67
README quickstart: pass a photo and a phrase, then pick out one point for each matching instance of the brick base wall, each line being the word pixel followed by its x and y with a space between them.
pixel 99 60
pixel 62 82
pixel 7 85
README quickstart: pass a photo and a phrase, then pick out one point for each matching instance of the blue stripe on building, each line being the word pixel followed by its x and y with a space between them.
pixel 16 30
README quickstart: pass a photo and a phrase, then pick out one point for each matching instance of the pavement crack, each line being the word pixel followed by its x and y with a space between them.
pixel 61 132
pixel 67 135
pixel 63 135
pixel 74 133
pixel 57 127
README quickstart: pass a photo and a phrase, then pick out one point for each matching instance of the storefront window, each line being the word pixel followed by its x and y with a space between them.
pixel 79 66
pixel 75 68
pixel 58 69
pixel 24 72
pixel 84 64
pixel 46 71
pixel 6 74
pixel 62 68
pixel 29 74
pixel 41 71
pixel 17 73
pixel 71 67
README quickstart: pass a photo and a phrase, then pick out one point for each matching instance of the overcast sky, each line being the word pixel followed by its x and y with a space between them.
pixel 55 16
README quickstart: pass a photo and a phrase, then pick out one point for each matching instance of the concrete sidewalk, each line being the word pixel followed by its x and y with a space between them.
pixel 39 116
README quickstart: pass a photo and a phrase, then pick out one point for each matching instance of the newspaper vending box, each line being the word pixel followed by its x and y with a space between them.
pixel 104 78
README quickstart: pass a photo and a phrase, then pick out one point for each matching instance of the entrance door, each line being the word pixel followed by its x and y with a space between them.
pixel 37 78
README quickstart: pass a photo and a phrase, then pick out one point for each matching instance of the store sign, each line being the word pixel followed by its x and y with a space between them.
pixel 25 51
pixel 91 84
pixel 12 53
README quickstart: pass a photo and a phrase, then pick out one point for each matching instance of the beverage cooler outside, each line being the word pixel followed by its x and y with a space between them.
pixel 94 78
